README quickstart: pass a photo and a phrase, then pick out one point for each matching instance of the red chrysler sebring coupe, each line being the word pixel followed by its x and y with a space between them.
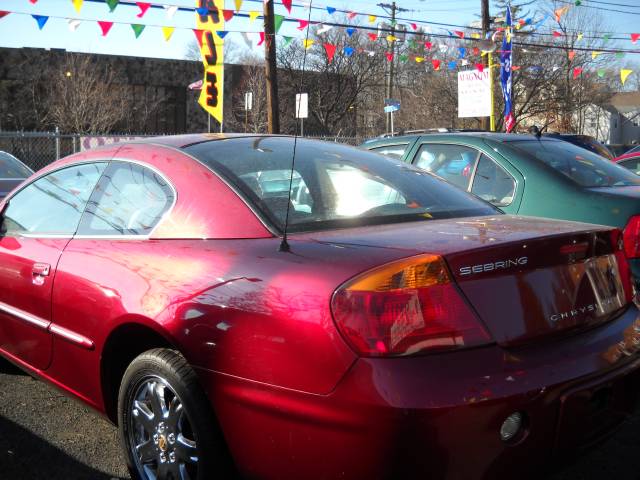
pixel 406 330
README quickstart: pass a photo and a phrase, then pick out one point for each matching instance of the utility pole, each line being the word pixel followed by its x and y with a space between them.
pixel 271 73
pixel 486 20
pixel 391 9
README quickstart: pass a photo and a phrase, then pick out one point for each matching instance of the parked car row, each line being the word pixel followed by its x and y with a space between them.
pixel 281 308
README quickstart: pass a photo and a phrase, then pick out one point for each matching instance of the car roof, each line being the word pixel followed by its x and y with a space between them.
pixel 498 136
pixel 183 141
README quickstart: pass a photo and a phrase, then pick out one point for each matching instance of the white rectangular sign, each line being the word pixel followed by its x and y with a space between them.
pixel 302 105
pixel 248 101
pixel 474 94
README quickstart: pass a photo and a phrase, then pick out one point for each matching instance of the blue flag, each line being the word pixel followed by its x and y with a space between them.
pixel 505 74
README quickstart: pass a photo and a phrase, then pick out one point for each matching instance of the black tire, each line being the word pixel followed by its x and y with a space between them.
pixel 165 374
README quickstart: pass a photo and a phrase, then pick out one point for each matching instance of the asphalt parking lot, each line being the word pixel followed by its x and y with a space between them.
pixel 44 434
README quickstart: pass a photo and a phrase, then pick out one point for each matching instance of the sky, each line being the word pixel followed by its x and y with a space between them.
pixel 21 30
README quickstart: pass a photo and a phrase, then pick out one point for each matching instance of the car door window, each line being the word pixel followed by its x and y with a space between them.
pixel 54 203
pixel 492 183
pixel 633 165
pixel 454 163
pixel 395 151
pixel 129 200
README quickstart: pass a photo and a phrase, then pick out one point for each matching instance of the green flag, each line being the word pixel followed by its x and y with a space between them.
pixel 112 4
pixel 277 22
pixel 137 29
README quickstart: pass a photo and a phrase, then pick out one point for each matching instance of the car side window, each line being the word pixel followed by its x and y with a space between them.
pixel 492 183
pixel 54 203
pixel 130 199
pixel 394 151
pixel 633 165
pixel 454 163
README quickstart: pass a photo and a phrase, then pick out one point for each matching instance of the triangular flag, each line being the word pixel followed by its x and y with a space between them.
pixel 459 34
pixel 307 42
pixel 167 32
pixel 634 37
pixel 73 24
pixel 34 1
pixel 331 10
pixel 404 58
pixel 452 65
pixel 261 41
pixel 348 51
pixel 606 37
pixel 221 34
pixel 514 68
pixel 624 73
pixel 595 54
pixel 560 11
pixel 428 45
pixel 105 27
pixel 77 4
pixel 414 26
pixel 41 19
pixel 137 29
pixel 198 33
pixel 619 54
pixel 351 15
pixel 227 15
pixel 112 4
pixel 287 5
pixel 556 34
pixel 601 72
pixel 373 36
pixel 238 5
pixel 578 3
pixel 464 62
pixel 476 50
pixel 331 51
pixel 580 37
pixel 576 72
pixel 391 38
pixel 419 59
pixel 436 64
pixel 143 6
pixel 389 56
pixel 287 41
pixel 480 67
pixel 324 29
pixel 571 55
pixel 372 18
pixel 4 13
pixel 253 14
pixel 247 39
pixel 171 10
pixel 351 31
pixel 302 24
pixel 462 51
pixel 277 22
pixel 202 11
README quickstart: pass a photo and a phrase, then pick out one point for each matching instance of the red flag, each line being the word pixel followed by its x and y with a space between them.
pixel 436 64
pixel 331 51
pixel 373 36
pixel 476 51
pixel 414 26
pixel 4 13
pixel 144 6
pixel 302 24
pixel 389 56
pixel 522 22
pixel 227 14
pixel 33 1
pixel 287 5
pixel 459 33
pixel 514 68
pixel 576 72
pixel 556 34
pixel 480 67
pixel 351 15
pixel 634 37
pixel 198 33
pixel 105 27
pixel 428 45
pixel 261 39
pixel 571 55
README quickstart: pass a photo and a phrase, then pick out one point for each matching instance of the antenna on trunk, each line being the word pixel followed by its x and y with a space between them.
pixel 284 244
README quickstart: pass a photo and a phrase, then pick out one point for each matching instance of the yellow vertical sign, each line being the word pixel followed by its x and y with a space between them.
pixel 212 53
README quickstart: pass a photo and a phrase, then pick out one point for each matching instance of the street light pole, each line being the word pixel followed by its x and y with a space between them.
pixel 486 20
pixel 271 73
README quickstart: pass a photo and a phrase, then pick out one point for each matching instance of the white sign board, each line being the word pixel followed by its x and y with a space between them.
pixel 474 94
pixel 248 101
pixel 302 105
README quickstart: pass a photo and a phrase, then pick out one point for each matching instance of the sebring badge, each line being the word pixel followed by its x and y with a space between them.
pixel 490 267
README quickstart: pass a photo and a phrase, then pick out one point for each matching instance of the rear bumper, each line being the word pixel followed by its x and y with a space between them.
pixel 437 416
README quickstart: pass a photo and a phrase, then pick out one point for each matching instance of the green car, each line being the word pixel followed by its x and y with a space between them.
pixel 530 175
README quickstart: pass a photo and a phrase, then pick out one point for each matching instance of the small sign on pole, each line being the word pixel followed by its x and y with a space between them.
pixel 248 101
pixel 302 109
pixel 474 94
pixel 391 105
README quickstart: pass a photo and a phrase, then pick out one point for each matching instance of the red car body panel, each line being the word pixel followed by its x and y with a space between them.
pixel 293 399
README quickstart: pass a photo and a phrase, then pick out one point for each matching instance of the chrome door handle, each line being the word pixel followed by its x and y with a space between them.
pixel 41 269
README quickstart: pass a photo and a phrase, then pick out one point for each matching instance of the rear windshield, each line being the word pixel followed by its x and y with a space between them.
pixel 10 167
pixel 333 186
pixel 585 168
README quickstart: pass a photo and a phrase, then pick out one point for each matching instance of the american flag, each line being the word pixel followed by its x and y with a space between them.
pixel 505 74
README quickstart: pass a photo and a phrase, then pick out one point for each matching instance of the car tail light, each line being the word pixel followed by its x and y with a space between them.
pixel 406 307
pixel 619 248
pixel 631 237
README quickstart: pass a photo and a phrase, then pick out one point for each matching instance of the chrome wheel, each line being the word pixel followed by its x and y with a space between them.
pixel 161 438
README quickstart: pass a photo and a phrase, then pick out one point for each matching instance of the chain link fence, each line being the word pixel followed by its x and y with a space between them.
pixel 38 149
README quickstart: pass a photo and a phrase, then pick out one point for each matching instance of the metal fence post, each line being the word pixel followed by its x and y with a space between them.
pixel 57 143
